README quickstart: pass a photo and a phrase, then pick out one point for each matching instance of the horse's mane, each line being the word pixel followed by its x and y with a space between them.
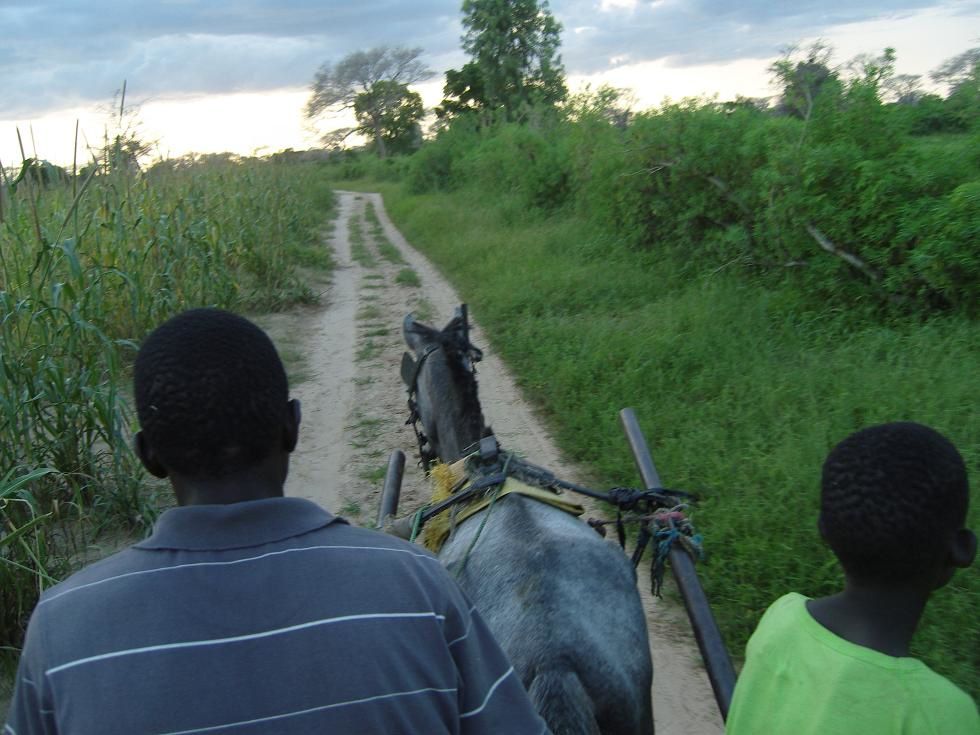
pixel 459 351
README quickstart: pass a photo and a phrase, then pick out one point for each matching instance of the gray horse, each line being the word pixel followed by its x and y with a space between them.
pixel 560 600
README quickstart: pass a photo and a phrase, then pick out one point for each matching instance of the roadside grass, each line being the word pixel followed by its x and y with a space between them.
pixel 378 332
pixel 741 387
pixel 408 277
pixel 423 310
pixel 368 350
pixel 364 431
pixel 369 312
pixel 351 509
pixel 374 476
pixel 358 249
pixel 385 248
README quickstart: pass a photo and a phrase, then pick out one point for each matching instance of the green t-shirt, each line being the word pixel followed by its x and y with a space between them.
pixel 800 678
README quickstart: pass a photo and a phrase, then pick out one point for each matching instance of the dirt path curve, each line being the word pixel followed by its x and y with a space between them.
pixel 354 411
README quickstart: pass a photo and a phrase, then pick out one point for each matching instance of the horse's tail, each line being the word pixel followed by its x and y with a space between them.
pixel 562 701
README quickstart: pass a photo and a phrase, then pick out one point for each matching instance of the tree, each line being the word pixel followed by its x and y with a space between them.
pixel 905 88
pixel 958 70
pixel 513 45
pixel 802 79
pixel 372 84
pixel 389 112
pixel 961 74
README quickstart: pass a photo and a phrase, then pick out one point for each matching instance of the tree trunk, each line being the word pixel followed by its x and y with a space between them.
pixel 379 141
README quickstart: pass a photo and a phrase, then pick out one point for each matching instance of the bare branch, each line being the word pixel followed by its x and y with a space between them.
pixel 824 242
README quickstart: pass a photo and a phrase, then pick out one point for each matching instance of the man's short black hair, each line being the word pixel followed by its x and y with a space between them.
pixel 892 496
pixel 211 393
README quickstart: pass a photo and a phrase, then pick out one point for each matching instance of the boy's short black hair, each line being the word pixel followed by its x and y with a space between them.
pixel 211 393
pixel 891 497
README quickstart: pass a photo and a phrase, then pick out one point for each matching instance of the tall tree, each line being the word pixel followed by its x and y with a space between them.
pixel 513 45
pixel 801 77
pixel 958 70
pixel 372 84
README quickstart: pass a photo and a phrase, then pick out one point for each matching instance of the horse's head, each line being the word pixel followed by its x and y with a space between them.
pixel 441 380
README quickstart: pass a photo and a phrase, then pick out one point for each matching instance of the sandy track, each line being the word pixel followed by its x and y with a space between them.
pixel 354 412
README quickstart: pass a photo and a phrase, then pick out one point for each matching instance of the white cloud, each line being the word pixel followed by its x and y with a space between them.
pixel 607 6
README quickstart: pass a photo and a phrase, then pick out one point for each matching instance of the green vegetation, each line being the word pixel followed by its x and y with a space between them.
pixel 87 267
pixel 368 350
pixel 364 431
pixel 358 248
pixel 424 311
pixel 514 64
pixel 741 385
pixel 758 282
pixel 369 312
pixel 373 84
pixel 385 248
pixel 375 476
pixel 351 509
pixel 408 277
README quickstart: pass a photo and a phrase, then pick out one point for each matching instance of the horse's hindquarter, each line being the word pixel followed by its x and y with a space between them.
pixel 558 597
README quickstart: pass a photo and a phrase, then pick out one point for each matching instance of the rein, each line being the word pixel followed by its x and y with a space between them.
pixel 661 512
pixel 426 455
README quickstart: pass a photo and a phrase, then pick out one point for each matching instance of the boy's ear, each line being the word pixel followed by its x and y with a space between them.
pixel 294 416
pixel 148 457
pixel 963 550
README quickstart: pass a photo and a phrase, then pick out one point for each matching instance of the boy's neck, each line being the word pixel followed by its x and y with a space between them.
pixel 882 618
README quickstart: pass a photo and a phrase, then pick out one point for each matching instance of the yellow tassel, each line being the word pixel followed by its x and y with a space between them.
pixel 443 478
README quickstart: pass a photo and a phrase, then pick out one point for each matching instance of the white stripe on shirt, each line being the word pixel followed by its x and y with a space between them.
pixel 9 729
pixel 238 638
pixel 496 684
pixel 229 563
pixel 469 625
pixel 307 711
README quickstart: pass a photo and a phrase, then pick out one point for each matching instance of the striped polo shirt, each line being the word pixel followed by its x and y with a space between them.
pixel 269 616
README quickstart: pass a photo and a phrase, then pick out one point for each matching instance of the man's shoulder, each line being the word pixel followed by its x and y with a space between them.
pixel 392 550
pixel 121 562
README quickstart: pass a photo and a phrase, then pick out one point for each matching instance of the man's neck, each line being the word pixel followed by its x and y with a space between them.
pixel 882 618
pixel 264 480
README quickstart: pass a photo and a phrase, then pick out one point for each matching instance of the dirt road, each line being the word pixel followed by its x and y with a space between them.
pixel 354 411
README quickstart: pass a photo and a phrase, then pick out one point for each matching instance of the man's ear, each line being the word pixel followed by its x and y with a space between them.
pixel 290 434
pixel 148 457
pixel 963 550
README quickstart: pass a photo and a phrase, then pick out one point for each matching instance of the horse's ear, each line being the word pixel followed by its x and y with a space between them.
pixel 408 369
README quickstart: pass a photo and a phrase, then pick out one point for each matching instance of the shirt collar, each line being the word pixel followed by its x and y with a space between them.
pixel 236 525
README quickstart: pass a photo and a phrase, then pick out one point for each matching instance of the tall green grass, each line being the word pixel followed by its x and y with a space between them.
pixel 741 386
pixel 87 268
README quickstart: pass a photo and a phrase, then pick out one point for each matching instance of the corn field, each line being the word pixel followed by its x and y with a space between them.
pixel 89 264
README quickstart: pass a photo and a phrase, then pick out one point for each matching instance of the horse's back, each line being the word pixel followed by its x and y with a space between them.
pixel 560 599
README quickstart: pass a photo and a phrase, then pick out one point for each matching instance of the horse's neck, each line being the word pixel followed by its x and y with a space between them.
pixel 464 419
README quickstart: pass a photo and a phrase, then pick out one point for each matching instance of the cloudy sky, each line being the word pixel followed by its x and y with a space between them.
pixel 221 75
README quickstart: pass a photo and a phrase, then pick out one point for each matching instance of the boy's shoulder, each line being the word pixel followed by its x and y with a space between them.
pixel 942 704
pixel 784 616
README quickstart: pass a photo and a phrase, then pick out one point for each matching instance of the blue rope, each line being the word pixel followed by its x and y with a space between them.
pixel 664 537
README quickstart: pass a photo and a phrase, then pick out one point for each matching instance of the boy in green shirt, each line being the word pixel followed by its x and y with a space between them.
pixel 892 509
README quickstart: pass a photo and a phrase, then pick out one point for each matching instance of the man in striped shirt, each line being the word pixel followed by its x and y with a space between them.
pixel 245 611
